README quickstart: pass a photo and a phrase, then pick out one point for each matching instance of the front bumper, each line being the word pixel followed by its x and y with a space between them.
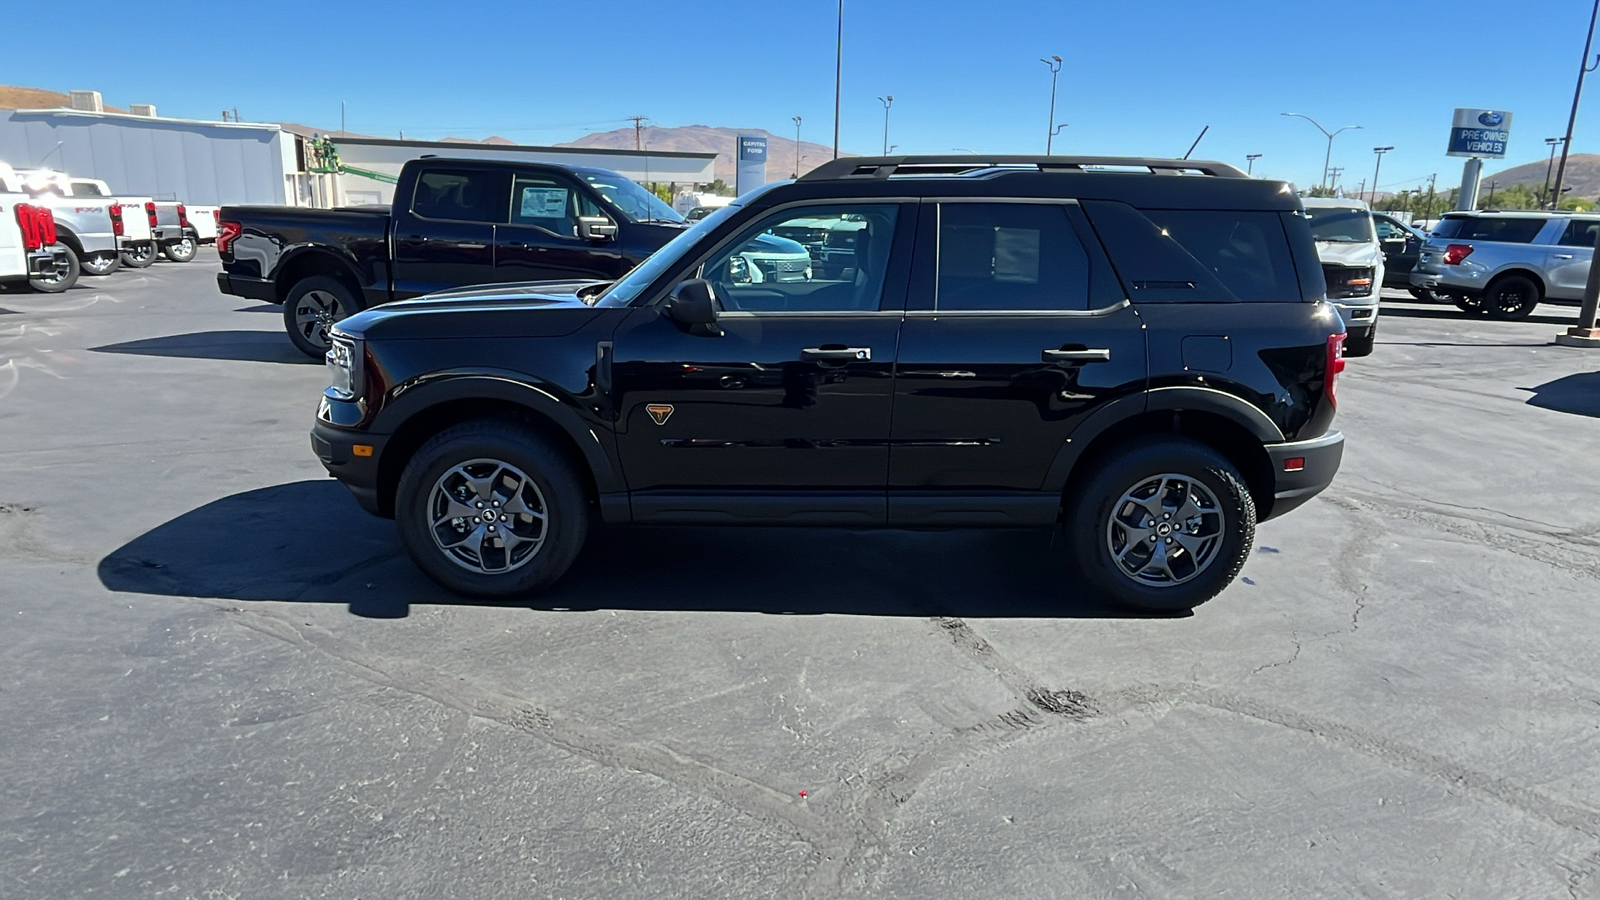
pixel 335 447
pixel 1358 316
pixel 249 288
pixel 1297 482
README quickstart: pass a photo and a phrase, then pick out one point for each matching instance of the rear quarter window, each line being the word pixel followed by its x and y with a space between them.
pixel 1484 228
pixel 1199 256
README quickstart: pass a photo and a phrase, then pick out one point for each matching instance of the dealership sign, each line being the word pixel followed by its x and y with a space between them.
pixel 750 172
pixel 1480 132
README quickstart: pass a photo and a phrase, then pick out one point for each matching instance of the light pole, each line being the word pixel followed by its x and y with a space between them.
pixel 1544 198
pixel 1584 67
pixel 1250 162
pixel 1380 151
pixel 796 145
pixel 887 102
pixel 1328 158
pixel 838 78
pixel 1054 63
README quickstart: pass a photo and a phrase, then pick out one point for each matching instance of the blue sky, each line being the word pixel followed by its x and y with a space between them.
pixel 1139 78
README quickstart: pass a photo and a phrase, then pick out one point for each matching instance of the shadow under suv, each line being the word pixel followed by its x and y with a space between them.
pixel 1138 351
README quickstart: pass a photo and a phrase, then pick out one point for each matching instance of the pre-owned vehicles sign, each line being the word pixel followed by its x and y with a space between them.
pixel 1480 132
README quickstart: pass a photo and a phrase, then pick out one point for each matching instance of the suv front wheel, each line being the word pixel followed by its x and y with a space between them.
pixel 1161 524
pixel 491 509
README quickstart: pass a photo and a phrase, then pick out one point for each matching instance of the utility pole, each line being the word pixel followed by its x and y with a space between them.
pixel 1054 63
pixel 1380 151
pixel 1489 203
pixel 1250 162
pixel 1333 177
pixel 796 145
pixel 1361 189
pixel 1544 198
pixel 1427 213
pixel 887 102
pixel 341 117
pixel 838 77
pixel 638 131
pixel 1584 67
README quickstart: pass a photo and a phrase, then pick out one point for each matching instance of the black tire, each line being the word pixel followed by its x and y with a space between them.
pixel 1092 533
pixel 62 277
pixel 141 257
pixel 312 305
pixel 1511 297
pixel 180 250
pixel 1360 343
pixel 1468 304
pixel 98 264
pixel 435 479
pixel 1423 294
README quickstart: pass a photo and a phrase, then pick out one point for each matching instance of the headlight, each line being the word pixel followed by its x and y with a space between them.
pixel 344 366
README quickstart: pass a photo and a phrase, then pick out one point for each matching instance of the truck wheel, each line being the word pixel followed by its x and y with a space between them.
pixel 1162 524
pixel 100 263
pixel 490 509
pixel 1424 295
pixel 313 305
pixel 1511 297
pixel 1361 344
pixel 179 251
pixel 141 256
pixel 60 278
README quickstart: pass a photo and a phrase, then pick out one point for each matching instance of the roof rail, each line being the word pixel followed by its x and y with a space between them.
pixel 970 164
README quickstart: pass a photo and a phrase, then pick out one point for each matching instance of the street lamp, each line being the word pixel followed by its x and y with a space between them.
pixel 1544 198
pixel 1380 151
pixel 838 78
pixel 1054 63
pixel 1584 68
pixel 1250 162
pixel 1587 332
pixel 796 145
pixel 887 102
pixel 1328 158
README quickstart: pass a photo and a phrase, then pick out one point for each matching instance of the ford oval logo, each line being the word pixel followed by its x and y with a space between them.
pixel 1491 119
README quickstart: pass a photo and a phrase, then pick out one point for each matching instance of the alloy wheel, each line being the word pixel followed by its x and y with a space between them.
pixel 314 314
pixel 1165 531
pixel 487 516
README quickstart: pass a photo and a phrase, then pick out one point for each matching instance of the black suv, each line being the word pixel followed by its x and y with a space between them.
pixel 1138 350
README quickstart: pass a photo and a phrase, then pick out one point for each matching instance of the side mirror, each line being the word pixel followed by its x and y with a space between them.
pixel 694 307
pixel 596 228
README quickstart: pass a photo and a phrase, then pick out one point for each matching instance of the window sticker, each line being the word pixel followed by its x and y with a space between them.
pixel 544 203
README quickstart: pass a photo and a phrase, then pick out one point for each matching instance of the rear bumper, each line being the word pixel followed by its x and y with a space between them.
pixel 40 262
pixel 335 447
pixel 249 288
pixel 1295 483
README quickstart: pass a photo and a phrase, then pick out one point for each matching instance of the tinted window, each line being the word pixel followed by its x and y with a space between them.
pixel 1246 251
pixel 765 270
pixel 1579 233
pixel 86 189
pixel 1485 228
pixel 1340 224
pixel 460 195
pixel 548 202
pixel 1010 256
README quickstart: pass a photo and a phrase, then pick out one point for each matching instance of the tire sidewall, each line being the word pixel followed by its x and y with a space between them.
pixel 1125 467
pixel 566 506
pixel 137 262
pixel 172 252
pixel 112 261
pixel 305 286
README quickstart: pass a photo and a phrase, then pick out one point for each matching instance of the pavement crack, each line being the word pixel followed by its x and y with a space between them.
pixel 1294 636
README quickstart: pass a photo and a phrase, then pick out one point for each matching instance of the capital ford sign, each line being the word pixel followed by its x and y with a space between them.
pixel 1480 132
pixel 752 149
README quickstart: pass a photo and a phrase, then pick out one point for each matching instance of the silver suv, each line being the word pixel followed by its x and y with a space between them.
pixel 1504 263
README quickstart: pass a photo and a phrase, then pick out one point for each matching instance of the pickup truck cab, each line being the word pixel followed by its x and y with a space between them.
pixel 454 222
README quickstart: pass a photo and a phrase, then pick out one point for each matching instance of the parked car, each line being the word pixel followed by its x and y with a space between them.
pixel 699 212
pixel 85 227
pixel 29 249
pixel 770 258
pixel 1149 361
pixel 1352 265
pixel 453 222
pixel 1503 264
pixel 1401 245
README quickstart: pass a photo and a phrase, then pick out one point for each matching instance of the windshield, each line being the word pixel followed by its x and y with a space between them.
pixel 1340 224
pixel 638 204
pixel 631 285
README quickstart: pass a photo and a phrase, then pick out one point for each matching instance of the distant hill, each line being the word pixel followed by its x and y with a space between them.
pixel 1583 175
pixel 38 98
pixel 721 141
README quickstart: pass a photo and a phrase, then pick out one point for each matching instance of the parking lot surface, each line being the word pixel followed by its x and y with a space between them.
pixel 219 678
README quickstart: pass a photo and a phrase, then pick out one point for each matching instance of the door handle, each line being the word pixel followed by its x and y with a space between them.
pixel 837 353
pixel 471 246
pixel 1563 256
pixel 1080 356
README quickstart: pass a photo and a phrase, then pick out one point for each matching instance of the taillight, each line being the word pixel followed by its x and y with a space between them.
pixel 183 216
pixel 1335 365
pixel 116 220
pixel 150 213
pixel 227 233
pixel 216 215
pixel 28 223
pixel 47 227
pixel 1455 253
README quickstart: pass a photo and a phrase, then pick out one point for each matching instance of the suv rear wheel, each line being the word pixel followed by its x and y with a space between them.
pixel 1511 297
pixel 1161 524
pixel 491 509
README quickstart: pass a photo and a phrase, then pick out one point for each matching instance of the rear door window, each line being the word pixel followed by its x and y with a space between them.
pixel 1010 256
pixel 463 195
pixel 1506 229
pixel 1580 233
pixel 1247 252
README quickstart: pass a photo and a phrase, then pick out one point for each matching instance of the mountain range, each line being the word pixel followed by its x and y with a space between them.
pixel 709 139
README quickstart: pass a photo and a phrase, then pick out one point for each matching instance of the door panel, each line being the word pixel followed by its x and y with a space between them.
pixel 1570 259
pixel 444 232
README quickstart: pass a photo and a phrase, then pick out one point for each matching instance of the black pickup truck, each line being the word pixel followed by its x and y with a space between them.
pixel 454 222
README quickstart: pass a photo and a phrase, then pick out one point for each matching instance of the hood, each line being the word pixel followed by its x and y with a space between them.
pixel 1347 253
pixel 497 310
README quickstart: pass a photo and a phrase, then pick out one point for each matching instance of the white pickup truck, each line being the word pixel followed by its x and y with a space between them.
pixel 177 228
pixel 85 226
pixel 131 220
pixel 28 249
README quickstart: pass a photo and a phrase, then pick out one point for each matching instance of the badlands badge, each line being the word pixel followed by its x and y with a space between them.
pixel 660 412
